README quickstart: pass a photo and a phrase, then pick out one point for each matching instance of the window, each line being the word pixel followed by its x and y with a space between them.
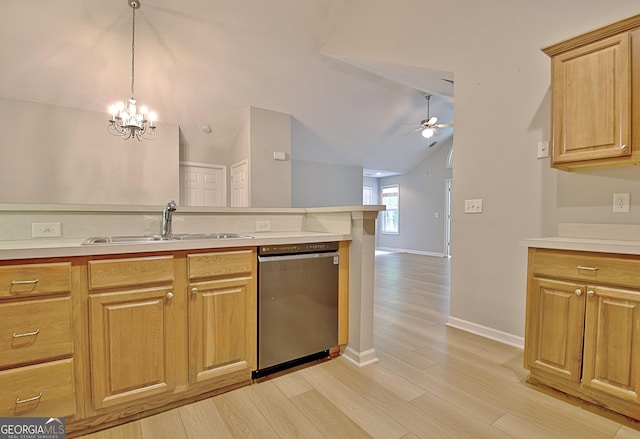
pixel 390 198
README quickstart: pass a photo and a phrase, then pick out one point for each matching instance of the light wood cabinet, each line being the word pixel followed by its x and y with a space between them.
pixel 222 316
pixel 100 339
pixel 131 329
pixel 594 87
pixel 37 360
pixel 583 324
pixel 132 341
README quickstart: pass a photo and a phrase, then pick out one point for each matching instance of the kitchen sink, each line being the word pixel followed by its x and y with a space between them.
pixel 188 236
pixel 159 238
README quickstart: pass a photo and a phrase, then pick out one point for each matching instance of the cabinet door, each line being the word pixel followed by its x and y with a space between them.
pixel 611 348
pixel 131 345
pixel 556 326
pixel 591 95
pixel 222 328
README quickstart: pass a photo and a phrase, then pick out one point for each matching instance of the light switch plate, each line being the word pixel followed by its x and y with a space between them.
pixel 473 206
pixel 543 149
pixel 46 230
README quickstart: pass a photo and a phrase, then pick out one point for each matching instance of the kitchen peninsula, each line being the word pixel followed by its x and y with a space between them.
pixel 69 327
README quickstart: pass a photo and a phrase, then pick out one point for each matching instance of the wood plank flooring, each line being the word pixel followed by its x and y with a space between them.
pixel 432 381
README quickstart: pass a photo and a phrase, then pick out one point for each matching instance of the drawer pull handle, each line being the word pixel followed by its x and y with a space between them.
pixel 581 267
pixel 24 401
pixel 24 282
pixel 26 334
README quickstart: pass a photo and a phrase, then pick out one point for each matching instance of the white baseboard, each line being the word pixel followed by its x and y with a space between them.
pixel 486 332
pixel 360 359
pixel 415 252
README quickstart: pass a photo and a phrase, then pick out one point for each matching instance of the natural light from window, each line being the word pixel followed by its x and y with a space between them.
pixel 390 198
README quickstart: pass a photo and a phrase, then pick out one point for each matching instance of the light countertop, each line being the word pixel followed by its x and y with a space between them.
pixel 49 248
pixel 585 244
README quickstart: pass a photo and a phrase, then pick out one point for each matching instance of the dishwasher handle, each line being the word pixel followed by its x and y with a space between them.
pixel 334 255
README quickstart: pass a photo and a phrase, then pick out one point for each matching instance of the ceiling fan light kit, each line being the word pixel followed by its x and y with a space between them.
pixel 429 126
pixel 127 120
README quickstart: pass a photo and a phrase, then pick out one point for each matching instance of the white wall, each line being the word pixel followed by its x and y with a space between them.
pixel 270 179
pixel 421 225
pixel 319 185
pixel 502 110
pixel 51 154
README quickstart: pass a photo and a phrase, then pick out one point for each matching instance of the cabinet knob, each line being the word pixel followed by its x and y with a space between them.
pixel 591 293
pixel 578 292
pixel 169 295
pixel 623 147
pixel 194 291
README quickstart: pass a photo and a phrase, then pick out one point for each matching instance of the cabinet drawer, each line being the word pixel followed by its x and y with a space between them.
pixel 221 264
pixel 130 271
pixel 34 279
pixel 588 267
pixel 35 330
pixel 40 390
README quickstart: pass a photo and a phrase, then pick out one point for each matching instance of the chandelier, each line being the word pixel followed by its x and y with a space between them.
pixel 127 119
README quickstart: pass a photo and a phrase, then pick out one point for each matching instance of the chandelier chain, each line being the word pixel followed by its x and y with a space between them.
pixel 133 49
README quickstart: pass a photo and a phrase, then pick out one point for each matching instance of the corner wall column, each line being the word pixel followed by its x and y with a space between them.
pixel 360 349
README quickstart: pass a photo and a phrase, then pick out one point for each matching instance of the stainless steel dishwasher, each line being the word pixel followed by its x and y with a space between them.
pixel 297 304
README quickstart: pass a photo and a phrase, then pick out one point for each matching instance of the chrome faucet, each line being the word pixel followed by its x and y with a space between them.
pixel 166 219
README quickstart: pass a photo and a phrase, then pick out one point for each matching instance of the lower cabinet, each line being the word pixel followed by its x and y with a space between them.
pixel 132 325
pixel 132 345
pixel 583 327
pixel 167 327
pixel 101 339
pixel 222 316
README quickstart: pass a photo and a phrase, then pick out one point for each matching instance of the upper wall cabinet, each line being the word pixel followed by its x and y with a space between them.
pixel 595 98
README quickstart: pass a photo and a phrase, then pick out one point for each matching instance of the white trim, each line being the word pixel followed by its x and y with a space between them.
pixel 486 332
pixel 360 359
pixel 414 252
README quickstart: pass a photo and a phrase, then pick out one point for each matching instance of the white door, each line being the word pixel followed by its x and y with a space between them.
pixel 203 185
pixel 240 184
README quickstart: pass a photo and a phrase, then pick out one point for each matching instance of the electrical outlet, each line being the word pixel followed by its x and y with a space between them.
pixel 263 226
pixel 621 202
pixel 473 206
pixel 46 230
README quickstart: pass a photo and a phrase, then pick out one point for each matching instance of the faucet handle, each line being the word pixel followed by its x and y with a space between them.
pixel 171 205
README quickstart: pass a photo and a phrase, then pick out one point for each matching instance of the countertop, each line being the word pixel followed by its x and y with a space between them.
pixel 585 244
pixel 55 247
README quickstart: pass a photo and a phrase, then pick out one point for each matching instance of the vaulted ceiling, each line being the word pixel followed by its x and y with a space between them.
pixel 203 62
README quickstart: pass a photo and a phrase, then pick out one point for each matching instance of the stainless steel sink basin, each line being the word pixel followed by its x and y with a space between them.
pixel 159 238
pixel 188 236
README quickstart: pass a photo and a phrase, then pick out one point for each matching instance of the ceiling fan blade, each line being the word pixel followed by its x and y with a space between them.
pixel 432 121
pixel 444 125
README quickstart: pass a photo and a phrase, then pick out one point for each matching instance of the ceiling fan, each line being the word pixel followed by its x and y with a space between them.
pixel 430 125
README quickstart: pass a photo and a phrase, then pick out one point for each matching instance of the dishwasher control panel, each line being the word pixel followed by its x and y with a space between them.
pixel 292 249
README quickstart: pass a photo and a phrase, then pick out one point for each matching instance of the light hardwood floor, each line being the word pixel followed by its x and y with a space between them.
pixel 432 381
